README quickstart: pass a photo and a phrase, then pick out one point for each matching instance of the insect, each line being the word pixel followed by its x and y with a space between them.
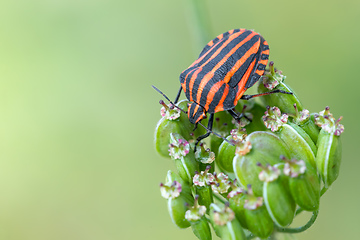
pixel 227 66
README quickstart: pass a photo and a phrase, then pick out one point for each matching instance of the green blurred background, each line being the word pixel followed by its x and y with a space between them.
pixel 77 111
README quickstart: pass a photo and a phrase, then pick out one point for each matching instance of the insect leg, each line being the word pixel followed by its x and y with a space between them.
pixel 238 117
pixel 209 130
pixel 247 97
pixel 178 95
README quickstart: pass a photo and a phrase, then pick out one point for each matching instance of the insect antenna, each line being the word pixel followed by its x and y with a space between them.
pixel 168 99
pixel 207 129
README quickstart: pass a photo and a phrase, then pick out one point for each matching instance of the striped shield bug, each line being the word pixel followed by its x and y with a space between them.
pixel 227 66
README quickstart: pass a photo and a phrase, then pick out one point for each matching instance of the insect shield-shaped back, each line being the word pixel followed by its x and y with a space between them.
pixel 227 66
pixel 196 113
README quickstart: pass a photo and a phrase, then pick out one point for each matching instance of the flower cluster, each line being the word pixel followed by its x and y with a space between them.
pixel 276 161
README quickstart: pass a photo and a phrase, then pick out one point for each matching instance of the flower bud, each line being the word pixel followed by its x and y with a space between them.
pixel 304 184
pixel 298 141
pixel 278 201
pixel 274 80
pixel 183 156
pixel 199 225
pixel 266 148
pixel 221 184
pixel 328 157
pixel 177 201
pixel 258 220
pixel 205 157
pixel 226 226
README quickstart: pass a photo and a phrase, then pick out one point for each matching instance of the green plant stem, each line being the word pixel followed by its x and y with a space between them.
pixel 252 236
pixel 220 198
pixel 302 228
pixel 298 211
pixel 323 191
pixel 200 23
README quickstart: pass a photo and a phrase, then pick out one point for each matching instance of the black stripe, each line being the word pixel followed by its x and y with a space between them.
pixel 188 79
pixel 197 82
pixel 224 51
pixel 261 67
pixel 235 79
pixel 264 57
pixel 225 68
pixel 191 109
pixel 216 99
pixel 230 62
pixel 215 40
pixel 184 73
pixel 230 98
pixel 254 77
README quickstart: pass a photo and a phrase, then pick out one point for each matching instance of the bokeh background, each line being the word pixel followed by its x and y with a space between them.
pixel 77 111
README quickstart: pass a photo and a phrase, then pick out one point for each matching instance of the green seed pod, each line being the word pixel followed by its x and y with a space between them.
pixel 177 208
pixel 226 226
pixel 206 195
pixel 278 200
pixel 177 201
pixel 227 151
pixel 199 225
pixel 162 135
pixel 257 218
pixel 201 229
pixel 304 120
pixel 222 125
pixel 259 147
pixel 236 202
pixel 298 141
pixel 185 187
pixel 304 184
pixel 188 127
pixel 328 158
pixel 202 182
pixel 274 80
pixel 183 156
pixel 173 121
pixel 311 129
pixel 225 157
